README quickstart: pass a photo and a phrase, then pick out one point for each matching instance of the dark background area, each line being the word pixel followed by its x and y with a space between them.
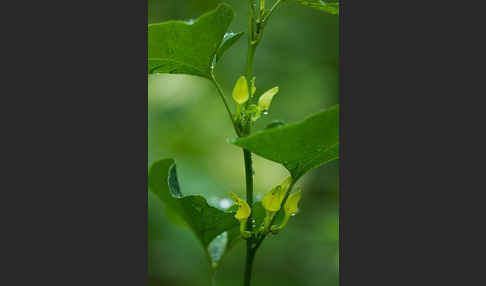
pixel 187 122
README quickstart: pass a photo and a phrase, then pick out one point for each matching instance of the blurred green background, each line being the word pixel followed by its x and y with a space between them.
pixel 187 122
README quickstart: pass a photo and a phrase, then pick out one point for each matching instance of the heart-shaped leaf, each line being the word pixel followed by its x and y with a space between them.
pixel 180 47
pixel 331 7
pixel 299 146
pixel 217 230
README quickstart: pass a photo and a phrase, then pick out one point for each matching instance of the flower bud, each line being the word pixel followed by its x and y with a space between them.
pixel 273 199
pixel 291 207
pixel 266 99
pixel 240 91
pixel 292 203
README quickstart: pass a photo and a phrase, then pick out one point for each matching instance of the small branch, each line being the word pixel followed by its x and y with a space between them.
pixel 223 98
pixel 263 22
pixel 275 5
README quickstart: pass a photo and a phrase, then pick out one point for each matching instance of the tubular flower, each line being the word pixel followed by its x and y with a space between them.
pixel 244 209
pixel 264 102
pixel 242 214
pixel 266 99
pixel 240 91
pixel 272 201
pixel 291 208
pixel 292 203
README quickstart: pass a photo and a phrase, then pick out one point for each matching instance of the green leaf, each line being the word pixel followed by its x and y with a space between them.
pixel 331 7
pixel 190 47
pixel 229 40
pixel 217 230
pixel 299 146
pixel 275 124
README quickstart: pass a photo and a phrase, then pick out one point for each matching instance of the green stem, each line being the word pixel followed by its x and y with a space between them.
pixel 253 41
pixel 254 38
pixel 251 45
pixel 250 256
pixel 249 182
pixel 249 62
pixel 265 20
pixel 221 94
pixel 250 253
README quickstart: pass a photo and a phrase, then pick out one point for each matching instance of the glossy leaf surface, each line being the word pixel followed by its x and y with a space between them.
pixel 190 47
pixel 299 146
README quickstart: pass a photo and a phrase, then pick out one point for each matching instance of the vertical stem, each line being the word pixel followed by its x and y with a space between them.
pixel 254 38
pixel 251 38
pixel 249 182
pixel 250 255
pixel 249 61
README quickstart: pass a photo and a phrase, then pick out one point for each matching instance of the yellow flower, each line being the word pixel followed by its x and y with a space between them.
pixel 291 207
pixel 266 99
pixel 292 203
pixel 242 214
pixel 273 199
pixel 240 91
pixel 244 209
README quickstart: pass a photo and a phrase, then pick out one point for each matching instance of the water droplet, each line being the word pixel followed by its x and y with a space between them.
pixel 265 112
pixel 225 203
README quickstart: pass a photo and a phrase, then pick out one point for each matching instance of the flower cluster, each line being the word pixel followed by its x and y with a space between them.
pixel 272 203
pixel 241 95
